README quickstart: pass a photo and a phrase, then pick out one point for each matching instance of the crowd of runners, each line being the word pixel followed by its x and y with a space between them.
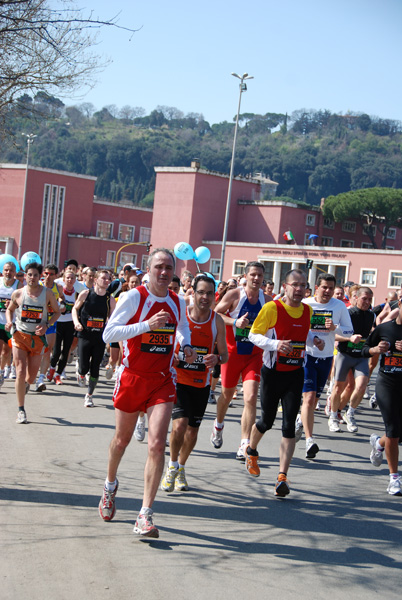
pixel 167 341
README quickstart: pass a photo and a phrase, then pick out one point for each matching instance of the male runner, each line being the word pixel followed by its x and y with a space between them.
pixel 49 275
pixel 30 305
pixel 193 381
pixel 8 284
pixel 239 308
pixel 349 358
pixel 145 320
pixel 328 315
pixel 90 313
pixel 281 330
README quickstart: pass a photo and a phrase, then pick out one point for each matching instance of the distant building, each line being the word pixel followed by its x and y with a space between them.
pixel 63 219
pixel 190 205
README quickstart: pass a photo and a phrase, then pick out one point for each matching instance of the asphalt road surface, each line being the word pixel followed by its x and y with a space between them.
pixel 337 535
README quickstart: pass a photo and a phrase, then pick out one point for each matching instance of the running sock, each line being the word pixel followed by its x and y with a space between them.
pixel 92 385
pixel 145 510
pixel 351 412
pixel 378 446
pixel 334 415
pixel 110 485
pixel 393 475
pixel 174 463
pixel 245 442
pixel 21 408
pixel 308 440
pixel 251 451
pixel 218 425
pixel 181 466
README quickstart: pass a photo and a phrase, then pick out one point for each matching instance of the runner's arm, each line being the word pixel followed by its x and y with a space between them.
pixel 261 333
pixel 117 329
pixel 78 303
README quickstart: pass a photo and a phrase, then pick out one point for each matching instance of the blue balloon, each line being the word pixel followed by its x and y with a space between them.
pixel 8 258
pixel 212 277
pixel 202 255
pixel 183 251
pixel 28 258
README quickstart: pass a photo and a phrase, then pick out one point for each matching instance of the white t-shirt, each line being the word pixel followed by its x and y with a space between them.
pixel 335 310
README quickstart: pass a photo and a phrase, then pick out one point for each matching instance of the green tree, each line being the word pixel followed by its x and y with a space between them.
pixel 379 206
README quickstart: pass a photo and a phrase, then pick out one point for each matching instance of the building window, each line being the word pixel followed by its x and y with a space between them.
pixel 126 233
pixel 110 258
pixel 104 230
pixel 285 267
pixel 269 269
pixel 340 275
pixel 391 233
pixel 347 244
pixel 310 220
pixel 215 267
pixel 59 225
pixel 349 226
pixel 395 279
pixel 367 245
pixel 145 234
pixel 45 221
pixel 366 229
pixel 127 257
pixel 327 241
pixel 368 277
pixel 52 222
pixel 144 262
pixel 238 267
pixel 328 223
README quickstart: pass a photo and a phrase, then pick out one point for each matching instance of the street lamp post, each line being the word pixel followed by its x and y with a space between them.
pixel 243 88
pixel 30 138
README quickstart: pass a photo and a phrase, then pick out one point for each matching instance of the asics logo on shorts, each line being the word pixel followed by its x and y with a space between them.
pixel 157 349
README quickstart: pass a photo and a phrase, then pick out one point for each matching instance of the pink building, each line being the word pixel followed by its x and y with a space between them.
pixel 190 206
pixel 62 219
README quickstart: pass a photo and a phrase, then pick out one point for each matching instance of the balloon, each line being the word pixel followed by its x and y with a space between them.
pixel 8 258
pixel 202 255
pixel 28 258
pixel 183 251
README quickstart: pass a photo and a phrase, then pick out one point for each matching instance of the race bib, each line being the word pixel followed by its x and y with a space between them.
pixel 69 307
pixel 159 341
pixel 355 348
pixel 318 319
pixel 95 324
pixel 198 364
pixel 241 335
pixel 296 357
pixel 393 363
pixel 3 304
pixel 31 314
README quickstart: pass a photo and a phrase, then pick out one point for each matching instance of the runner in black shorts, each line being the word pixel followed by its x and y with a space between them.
pixel 386 340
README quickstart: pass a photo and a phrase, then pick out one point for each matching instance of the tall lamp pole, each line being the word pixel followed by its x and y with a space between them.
pixel 30 138
pixel 243 88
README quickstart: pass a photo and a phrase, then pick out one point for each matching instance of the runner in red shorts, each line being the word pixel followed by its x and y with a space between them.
pixel 146 321
pixel 239 308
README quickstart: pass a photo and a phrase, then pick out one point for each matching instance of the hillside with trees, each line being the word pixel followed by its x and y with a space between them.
pixel 310 153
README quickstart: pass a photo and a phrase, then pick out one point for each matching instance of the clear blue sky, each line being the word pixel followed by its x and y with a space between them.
pixel 336 54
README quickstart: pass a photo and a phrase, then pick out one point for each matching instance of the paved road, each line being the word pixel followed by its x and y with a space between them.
pixel 337 535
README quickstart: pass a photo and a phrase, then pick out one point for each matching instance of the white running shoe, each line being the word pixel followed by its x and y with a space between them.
pixel 81 380
pixel 366 394
pixel 216 437
pixel 333 425
pixel 139 431
pixel 13 374
pixel 318 405
pixel 312 448
pixel 88 401
pixel 375 455
pixel 241 453
pixel 373 401
pixel 109 372
pixel 298 429
pixel 21 417
pixel 7 371
pixel 350 422
pixel 40 384
pixel 395 486
pixel 144 526
pixel 167 483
